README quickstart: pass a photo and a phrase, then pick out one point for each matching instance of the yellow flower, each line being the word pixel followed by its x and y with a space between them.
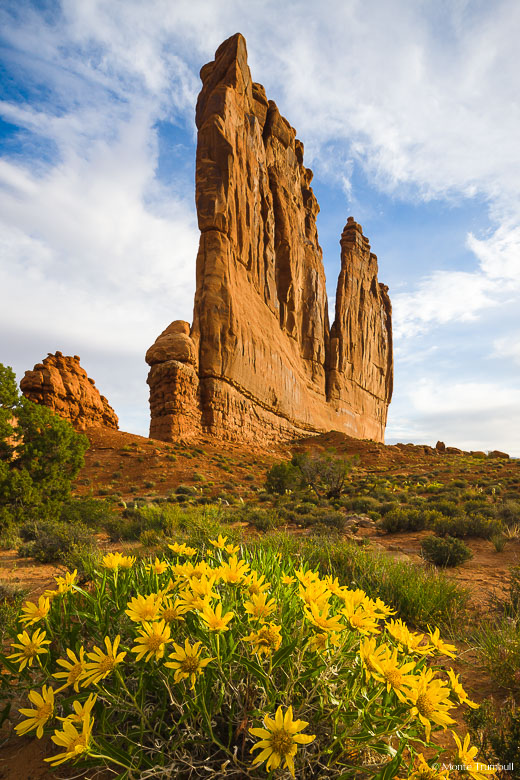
pixel 430 702
pixel 76 743
pixel 321 619
pixel 279 740
pixel 361 620
pixel 170 610
pixel 354 599
pixel 396 677
pixel 266 639
pixel 157 567
pixel 126 561
pixel 188 571
pixel 425 772
pixel 152 640
pixel 259 608
pixel 187 662
pixel 144 608
pixel 75 669
pixel 333 585
pixel 32 613
pixel 182 549
pixel 256 584
pixel 214 619
pixel 408 640
pixel 457 688
pixel 288 580
pixel 320 642
pixel 101 664
pixel 220 542
pixel 37 718
pixel 81 711
pixel 466 757
pixel 30 647
pixel 190 600
pixel 315 592
pixel 203 586
pixel 440 646
pixel 116 561
pixel 307 577
pixel 372 655
pixel 234 571
pixel 66 582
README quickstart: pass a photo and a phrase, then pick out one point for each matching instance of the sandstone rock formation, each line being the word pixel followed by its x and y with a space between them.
pixel 60 383
pixel 260 361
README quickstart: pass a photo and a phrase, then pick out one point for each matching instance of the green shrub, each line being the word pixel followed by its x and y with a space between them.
pixel 326 474
pixel 405 519
pixel 53 541
pixel 89 511
pixel 261 519
pixel 463 525
pixel 282 477
pixel 445 551
pixel 362 504
pixel 40 456
pixel 496 730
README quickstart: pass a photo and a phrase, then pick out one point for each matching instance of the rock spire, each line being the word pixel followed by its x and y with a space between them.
pixel 260 361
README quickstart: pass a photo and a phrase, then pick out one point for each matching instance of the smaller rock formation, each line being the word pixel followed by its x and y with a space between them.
pixel 60 383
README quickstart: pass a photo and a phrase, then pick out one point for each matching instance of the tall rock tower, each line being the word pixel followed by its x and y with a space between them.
pixel 260 362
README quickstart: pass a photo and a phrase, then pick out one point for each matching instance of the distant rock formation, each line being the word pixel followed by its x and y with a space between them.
pixel 260 362
pixel 60 383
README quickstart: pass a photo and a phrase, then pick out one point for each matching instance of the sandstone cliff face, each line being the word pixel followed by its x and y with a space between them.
pixel 60 383
pixel 260 361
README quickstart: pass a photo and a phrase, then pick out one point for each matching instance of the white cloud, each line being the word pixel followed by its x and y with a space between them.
pixel 508 347
pixel 469 415
pixel 422 97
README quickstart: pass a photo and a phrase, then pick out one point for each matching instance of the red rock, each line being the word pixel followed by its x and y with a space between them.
pixel 440 446
pixel 61 384
pixel 498 454
pixel 260 361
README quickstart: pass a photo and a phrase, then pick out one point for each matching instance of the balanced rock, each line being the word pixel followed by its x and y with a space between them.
pixel 60 383
pixel 260 362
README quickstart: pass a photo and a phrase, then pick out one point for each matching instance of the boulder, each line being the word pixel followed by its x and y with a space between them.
pixel 60 383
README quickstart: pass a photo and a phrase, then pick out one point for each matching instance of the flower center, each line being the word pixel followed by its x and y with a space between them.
pixel 425 705
pixel 155 642
pixel 75 672
pixel 282 742
pixel 189 664
pixel 77 745
pixel 30 650
pixel 267 637
pixel 394 677
pixel 44 712
pixel 148 613
pixel 106 664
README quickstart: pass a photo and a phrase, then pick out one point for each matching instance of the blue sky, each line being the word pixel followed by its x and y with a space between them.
pixel 410 115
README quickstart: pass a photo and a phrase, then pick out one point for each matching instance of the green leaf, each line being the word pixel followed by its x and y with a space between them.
pixel 283 654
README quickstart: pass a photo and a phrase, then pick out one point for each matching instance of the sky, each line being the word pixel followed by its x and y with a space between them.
pixel 409 111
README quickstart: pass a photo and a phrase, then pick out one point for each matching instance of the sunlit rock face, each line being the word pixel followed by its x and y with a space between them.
pixel 60 383
pixel 260 361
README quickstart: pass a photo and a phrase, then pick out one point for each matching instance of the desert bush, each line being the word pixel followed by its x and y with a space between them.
pixel 498 643
pixel 466 525
pixel 54 541
pixel 262 519
pixel 282 477
pixel 326 474
pixel 362 504
pixel 445 551
pixel 406 519
pixel 156 681
pixel 508 512
pixel 89 511
pixel 496 730
pixel 447 508
pixel 40 456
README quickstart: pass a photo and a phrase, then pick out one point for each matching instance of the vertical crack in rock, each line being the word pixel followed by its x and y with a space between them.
pixel 260 361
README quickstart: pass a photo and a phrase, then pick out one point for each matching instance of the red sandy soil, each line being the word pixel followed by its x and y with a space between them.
pixel 123 463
